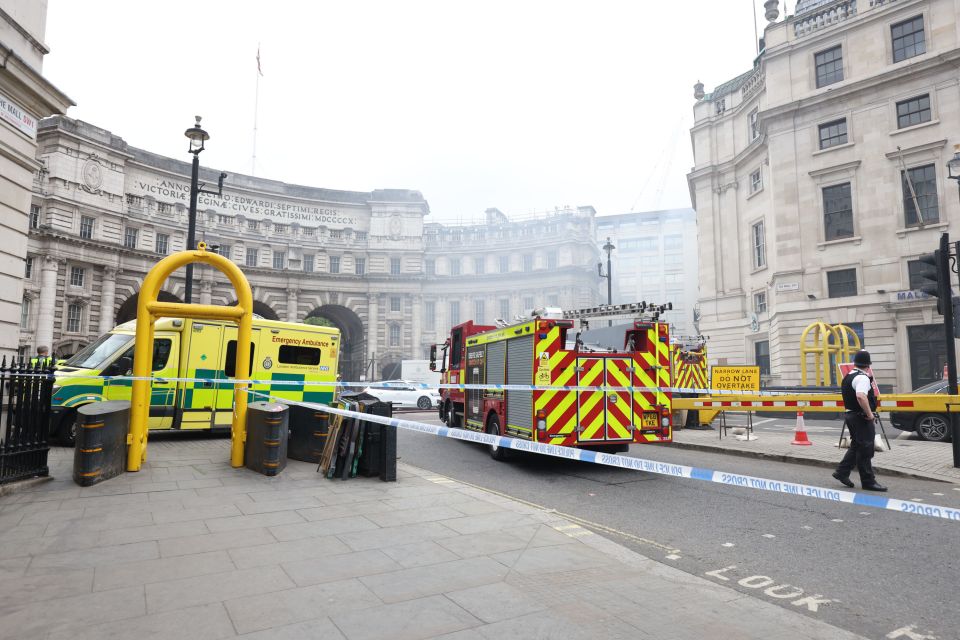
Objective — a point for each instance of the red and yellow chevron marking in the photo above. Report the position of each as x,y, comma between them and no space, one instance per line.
689,369
619,410
560,407
590,404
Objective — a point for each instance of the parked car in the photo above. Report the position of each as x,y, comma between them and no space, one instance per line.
929,426
405,394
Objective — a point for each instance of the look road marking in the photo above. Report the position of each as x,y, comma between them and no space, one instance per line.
774,590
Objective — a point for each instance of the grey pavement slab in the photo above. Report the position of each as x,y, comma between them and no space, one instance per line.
229,553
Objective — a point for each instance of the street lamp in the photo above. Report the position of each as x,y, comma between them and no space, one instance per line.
953,166
608,248
197,137
953,172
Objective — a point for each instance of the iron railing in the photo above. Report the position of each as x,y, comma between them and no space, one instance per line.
25,392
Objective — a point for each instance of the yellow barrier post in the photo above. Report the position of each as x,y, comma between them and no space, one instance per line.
149,309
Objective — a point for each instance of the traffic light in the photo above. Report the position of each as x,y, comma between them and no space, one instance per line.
929,275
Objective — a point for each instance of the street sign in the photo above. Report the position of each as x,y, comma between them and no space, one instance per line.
743,378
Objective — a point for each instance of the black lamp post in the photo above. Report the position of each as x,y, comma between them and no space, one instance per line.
608,248
953,173
197,137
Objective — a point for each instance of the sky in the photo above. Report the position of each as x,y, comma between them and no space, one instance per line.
521,105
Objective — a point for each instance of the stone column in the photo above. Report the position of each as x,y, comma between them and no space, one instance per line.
292,304
417,339
47,306
372,331
108,294
206,291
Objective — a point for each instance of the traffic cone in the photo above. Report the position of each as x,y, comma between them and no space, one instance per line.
800,433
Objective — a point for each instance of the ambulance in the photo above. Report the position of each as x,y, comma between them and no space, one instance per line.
185,350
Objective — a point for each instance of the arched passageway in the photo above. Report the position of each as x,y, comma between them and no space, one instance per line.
128,310
352,338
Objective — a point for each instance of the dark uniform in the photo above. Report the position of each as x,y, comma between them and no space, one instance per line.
862,432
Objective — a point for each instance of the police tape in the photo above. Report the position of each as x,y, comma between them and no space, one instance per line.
417,385
643,464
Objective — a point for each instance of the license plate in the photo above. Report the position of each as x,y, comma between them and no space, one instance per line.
650,419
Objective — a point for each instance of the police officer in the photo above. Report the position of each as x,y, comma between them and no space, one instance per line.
42,359
860,402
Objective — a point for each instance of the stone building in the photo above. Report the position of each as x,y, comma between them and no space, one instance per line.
363,261
25,97
654,259
820,176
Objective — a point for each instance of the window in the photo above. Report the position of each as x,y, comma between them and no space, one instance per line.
915,271
908,40
478,266
528,262
308,263
130,238
431,267
504,264
163,207
163,243
361,235
761,355
252,258
672,259
336,234
224,221
252,225
552,259
86,227
756,181
760,302
77,276
759,246
478,311
833,134
304,356
673,242
553,300
279,259
230,361
505,308
430,315
34,216
308,231
74,318
28,268
528,303
837,212
829,66
454,313
334,264
395,304
753,121
454,266
280,228
913,111
650,243
224,250
359,266
394,266
842,283
25,314
720,106
394,335
924,181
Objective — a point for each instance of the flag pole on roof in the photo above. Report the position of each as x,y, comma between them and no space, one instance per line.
256,104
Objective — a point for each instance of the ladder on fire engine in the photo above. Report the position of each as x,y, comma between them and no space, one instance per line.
640,310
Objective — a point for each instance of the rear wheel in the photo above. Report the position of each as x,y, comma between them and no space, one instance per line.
493,428
452,421
933,427
67,433
423,403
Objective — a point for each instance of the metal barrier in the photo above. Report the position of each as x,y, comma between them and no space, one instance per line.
25,392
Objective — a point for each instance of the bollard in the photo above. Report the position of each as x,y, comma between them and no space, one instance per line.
308,433
379,452
265,450
100,452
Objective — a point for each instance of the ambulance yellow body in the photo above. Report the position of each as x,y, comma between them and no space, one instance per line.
280,352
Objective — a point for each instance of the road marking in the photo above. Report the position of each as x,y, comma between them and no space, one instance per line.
864,513
836,520
808,528
728,544
811,602
917,499
673,556
937,494
769,535
765,421
909,633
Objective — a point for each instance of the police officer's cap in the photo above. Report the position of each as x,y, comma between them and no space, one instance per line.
862,359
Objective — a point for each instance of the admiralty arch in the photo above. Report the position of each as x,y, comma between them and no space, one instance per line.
103,213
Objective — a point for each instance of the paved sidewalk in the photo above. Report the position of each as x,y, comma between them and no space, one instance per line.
914,458
190,548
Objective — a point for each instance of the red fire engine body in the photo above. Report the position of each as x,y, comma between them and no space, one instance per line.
537,352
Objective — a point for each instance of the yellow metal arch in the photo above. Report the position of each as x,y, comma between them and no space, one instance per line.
149,309
837,340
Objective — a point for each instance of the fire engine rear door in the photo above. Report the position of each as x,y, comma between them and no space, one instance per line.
591,405
618,403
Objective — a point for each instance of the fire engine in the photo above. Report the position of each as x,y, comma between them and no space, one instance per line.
688,358
544,350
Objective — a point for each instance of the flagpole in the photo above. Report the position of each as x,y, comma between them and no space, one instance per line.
256,105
